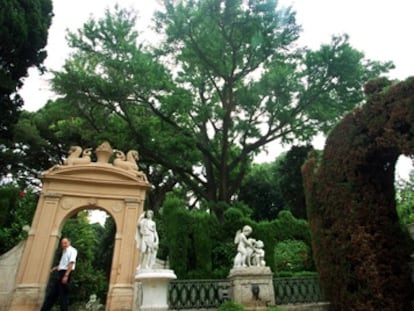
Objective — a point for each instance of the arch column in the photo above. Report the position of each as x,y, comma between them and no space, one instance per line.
32,278
125,260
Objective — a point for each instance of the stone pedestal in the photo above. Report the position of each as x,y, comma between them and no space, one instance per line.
252,287
151,289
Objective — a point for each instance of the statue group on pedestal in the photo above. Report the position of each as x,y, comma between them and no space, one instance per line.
250,252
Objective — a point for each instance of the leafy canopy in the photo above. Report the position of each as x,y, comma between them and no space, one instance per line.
225,79
23,35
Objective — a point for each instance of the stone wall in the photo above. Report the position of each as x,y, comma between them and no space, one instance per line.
9,263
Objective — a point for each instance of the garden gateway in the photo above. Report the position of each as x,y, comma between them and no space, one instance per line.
118,189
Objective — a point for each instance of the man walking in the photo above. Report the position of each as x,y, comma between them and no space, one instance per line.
60,284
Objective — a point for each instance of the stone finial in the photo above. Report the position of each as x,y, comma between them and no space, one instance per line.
103,152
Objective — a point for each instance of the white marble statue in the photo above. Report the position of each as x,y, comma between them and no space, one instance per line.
258,255
93,304
249,251
147,240
244,247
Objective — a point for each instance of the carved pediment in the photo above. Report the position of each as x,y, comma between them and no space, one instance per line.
79,167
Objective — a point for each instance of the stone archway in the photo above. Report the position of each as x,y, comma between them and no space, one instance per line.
118,189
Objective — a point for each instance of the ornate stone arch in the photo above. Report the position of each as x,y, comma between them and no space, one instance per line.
118,189
360,249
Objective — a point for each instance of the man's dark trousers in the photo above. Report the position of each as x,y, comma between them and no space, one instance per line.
57,290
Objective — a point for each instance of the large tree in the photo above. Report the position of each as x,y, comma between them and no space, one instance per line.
269,188
41,139
290,179
23,35
260,190
226,79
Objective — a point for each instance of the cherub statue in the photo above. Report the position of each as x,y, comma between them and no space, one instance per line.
258,254
93,304
244,247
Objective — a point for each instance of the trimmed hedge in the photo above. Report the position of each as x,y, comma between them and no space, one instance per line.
359,248
197,246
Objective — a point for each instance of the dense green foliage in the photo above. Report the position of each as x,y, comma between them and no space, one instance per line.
37,145
95,246
360,250
269,188
199,247
405,200
87,279
261,192
23,35
16,211
224,80
284,227
292,256
105,247
291,181
189,236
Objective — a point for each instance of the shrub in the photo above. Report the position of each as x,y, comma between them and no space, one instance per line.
17,208
405,200
292,255
284,227
231,306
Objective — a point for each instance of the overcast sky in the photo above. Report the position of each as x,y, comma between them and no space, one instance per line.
381,29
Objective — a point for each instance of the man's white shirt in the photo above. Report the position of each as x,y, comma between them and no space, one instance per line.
68,256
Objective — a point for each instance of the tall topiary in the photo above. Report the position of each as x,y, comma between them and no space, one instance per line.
359,247
177,222
202,228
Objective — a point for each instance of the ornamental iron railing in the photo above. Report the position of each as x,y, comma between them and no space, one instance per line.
209,294
197,294
297,290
